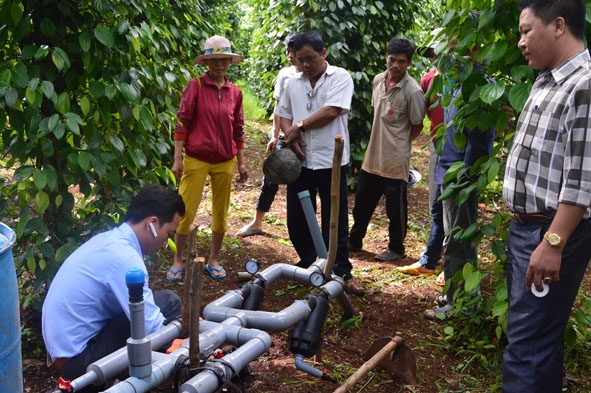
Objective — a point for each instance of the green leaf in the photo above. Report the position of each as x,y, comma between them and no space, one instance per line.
72,125
63,103
468,233
117,143
16,12
52,179
10,97
5,77
20,76
30,96
31,265
104,36
23,173
47,27
491,92
39,178
129,92
53,122
59,131
147,118
473,281
84,105
500,49
41,52
47,88
99,167
460,140
493,171
463,195
85,160
47,147
41,201
84,39
46,250
520,72
500,308
518,95
61,59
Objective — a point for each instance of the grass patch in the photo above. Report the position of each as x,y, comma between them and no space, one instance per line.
252,105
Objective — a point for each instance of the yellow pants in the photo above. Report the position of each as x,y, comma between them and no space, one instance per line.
191,190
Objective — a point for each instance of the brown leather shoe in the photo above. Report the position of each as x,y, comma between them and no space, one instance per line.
353,287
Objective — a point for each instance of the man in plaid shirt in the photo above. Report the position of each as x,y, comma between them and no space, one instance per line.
547,189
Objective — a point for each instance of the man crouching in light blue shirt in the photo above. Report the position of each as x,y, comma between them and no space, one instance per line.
86,311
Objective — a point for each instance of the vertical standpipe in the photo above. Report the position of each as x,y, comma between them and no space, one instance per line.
312,223
139,348
11,369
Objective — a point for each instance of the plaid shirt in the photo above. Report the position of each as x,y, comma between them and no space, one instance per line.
550,160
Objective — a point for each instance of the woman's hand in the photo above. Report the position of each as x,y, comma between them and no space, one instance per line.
178,168
243,173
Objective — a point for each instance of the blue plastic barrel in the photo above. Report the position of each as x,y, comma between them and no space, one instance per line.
11,369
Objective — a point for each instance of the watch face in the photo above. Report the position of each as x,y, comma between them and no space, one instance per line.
554,240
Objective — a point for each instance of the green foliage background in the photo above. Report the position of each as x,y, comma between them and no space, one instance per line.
89,92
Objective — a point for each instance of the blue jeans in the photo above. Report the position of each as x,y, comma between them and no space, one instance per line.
534,356
268,188
432,252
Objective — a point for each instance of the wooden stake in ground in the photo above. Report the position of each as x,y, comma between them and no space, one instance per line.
195,299
191,251
192,297
334,204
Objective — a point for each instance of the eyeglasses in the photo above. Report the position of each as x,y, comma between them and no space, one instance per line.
310,94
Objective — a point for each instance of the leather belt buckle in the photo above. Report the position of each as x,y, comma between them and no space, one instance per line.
516,217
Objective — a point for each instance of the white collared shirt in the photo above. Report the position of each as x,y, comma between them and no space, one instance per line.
300,101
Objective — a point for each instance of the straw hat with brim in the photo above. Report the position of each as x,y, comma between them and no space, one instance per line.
217,47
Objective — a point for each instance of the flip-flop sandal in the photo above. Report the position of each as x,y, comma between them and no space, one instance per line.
440,280
246,231
211,270
174,278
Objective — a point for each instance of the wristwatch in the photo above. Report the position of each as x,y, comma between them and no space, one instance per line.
555,240
300,125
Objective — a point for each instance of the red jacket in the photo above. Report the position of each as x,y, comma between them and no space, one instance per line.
211,120
434,114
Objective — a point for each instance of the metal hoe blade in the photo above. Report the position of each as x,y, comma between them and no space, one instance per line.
400,363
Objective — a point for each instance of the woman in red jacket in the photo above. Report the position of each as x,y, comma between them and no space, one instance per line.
210,130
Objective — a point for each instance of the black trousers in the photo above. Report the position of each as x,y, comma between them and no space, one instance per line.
370,189
318,183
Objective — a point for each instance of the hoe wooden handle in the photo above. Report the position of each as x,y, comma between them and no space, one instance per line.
366,367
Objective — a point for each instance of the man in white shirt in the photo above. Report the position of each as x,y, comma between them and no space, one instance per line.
313,111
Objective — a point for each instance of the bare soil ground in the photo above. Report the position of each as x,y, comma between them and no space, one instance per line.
393,305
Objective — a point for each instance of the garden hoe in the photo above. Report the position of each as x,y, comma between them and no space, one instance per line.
390,354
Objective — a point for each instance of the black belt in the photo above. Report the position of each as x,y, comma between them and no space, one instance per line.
532,218
59,363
